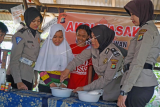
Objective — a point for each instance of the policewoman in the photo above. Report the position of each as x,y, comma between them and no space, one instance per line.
107,61
25,50
139,80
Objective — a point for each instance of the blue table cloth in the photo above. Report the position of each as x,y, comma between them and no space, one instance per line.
74,102
23,98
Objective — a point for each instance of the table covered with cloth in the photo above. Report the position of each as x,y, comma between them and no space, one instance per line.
24,98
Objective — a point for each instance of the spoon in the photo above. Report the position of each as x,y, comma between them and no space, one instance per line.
60,85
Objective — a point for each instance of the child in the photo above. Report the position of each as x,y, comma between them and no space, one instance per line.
82,75
3,31
54,56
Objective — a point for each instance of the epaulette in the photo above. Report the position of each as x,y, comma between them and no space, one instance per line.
22,30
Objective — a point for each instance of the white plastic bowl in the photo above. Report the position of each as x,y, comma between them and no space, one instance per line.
92,96
61,92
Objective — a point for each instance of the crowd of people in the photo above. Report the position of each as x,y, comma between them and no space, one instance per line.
93,62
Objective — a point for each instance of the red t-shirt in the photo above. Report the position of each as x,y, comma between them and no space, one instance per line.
79,76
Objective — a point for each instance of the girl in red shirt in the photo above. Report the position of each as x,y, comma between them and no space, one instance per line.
82,75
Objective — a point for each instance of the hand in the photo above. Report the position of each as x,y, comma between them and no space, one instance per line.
121,101
63,86
78,89
21,85
35,83
52,85
64,75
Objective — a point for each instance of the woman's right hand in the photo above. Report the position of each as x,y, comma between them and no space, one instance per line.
78,89
64,75
21,85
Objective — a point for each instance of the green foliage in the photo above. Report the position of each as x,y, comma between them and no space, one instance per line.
44,35
153,102
153,98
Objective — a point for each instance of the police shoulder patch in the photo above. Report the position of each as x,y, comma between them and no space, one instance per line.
18,39
140,37
39,41
140,34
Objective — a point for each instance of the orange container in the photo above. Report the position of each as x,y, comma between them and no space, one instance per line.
2,87
6,88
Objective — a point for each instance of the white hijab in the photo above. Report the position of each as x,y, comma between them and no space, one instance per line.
52,57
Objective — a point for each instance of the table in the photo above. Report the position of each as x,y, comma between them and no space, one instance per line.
24,98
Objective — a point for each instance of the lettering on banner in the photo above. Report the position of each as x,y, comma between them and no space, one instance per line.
122,44
120,31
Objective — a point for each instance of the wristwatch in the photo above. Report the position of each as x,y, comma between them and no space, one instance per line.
123,93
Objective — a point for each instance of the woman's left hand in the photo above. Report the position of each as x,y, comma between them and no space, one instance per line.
121,101
78,89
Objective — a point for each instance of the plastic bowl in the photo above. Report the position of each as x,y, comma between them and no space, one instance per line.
61,92
89,97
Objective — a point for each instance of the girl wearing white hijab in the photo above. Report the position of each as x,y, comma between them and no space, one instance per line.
53,58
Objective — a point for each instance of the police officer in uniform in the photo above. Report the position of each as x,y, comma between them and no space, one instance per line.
107,61
139,80
25,50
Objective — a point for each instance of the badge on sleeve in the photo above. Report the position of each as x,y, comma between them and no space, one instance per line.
39,40
140,37
105,60
141,33
114,62
18,39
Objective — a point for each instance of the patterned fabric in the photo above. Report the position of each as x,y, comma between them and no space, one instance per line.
26,98
22,99
74,102
49,77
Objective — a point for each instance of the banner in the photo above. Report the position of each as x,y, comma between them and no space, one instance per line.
17,14
123,26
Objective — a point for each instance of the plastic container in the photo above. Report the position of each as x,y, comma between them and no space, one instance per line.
61,92
92,96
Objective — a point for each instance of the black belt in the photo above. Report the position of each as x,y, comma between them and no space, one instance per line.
146,66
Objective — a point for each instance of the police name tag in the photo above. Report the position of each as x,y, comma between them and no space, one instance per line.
29,41
26,61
